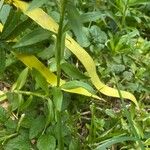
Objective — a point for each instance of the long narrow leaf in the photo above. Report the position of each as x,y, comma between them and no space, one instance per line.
21,80
112,141
45,21
33,37
49,76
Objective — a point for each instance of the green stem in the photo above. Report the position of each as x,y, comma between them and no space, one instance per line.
58,56
8,137
92,128
133,130
19,122
29,93
59,41
59,127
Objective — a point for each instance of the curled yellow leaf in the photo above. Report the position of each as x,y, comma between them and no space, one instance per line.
32,62
46,22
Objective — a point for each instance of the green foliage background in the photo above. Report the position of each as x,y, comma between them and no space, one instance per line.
116,34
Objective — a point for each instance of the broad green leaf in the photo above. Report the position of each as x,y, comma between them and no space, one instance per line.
40,80
76,84
21,80
46,142
72,71
114,140
91,16
57,98
37,126
37,15
10,125
35,36
76,23
36,3
21,142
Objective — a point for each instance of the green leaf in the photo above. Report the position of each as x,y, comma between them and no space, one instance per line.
110,113
3,116
11,125
46,142
72,71
21,80
74,145
4,13
37,126
78,84
91,16
10,24
32,49
147,142
40,81
127,75
57,98
50,115
36,3
139,129
76,24
1,4
97,35
19,28
115,140
47,53
34,37
15,100
27,103
137,2
20,142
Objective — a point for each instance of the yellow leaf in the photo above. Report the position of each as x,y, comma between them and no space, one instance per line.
32,62
46,22
1,27
50,77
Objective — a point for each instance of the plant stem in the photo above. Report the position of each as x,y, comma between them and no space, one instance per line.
29,93
59,127
92,127
7,137
19,122
58,56
59,41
